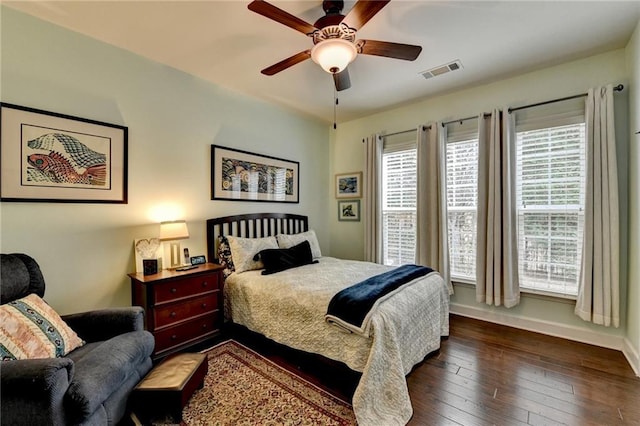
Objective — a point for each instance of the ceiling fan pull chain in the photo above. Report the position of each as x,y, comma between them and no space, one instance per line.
335,107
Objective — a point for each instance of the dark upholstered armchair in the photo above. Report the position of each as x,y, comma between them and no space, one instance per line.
91,384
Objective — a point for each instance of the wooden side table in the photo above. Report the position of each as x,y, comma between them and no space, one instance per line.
182,309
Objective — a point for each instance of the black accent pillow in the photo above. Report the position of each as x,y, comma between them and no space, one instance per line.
277,260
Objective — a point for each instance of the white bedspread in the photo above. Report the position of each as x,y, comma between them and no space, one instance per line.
289,307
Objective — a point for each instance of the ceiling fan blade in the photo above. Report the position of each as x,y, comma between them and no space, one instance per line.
342,80
286,63
408,52
362,12
270,11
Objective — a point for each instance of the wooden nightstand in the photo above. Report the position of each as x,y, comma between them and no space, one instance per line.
182,309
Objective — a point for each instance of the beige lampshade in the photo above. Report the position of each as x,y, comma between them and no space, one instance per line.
174,230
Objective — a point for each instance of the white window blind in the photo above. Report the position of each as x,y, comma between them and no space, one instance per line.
462,197
399,189
551,174
462,201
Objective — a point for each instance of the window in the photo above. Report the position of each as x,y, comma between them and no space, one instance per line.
550,189
462,198
399,200
550,196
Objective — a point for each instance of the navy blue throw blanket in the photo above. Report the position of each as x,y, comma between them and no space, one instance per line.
352,304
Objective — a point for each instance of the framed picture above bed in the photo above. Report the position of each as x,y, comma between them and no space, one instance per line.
245,176
349,185
349,210
51,157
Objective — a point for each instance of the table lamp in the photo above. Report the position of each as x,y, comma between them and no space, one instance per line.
172,231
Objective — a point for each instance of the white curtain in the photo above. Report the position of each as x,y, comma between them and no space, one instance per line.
497,262
432,246
598,291
372,199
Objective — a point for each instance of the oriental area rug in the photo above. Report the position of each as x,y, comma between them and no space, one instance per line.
244,388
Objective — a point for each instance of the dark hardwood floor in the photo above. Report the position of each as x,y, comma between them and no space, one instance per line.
487,374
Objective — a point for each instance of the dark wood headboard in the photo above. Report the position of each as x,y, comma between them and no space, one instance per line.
253,225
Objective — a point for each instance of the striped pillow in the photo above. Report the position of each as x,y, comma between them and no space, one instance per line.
30,329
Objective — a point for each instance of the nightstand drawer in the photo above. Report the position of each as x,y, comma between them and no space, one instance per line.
174,313
172,290
181,308
174,336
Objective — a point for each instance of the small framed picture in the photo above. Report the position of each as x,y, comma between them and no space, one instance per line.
349,185
349,210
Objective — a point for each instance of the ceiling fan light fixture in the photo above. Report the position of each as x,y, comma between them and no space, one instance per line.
334,55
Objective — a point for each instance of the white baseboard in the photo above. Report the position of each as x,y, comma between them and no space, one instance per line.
544,327
632,356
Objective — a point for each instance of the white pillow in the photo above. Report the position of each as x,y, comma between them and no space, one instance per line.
290,240
243,250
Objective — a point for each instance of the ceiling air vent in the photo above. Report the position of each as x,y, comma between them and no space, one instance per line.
442,69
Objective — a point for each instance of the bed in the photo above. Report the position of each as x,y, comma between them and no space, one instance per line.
289,307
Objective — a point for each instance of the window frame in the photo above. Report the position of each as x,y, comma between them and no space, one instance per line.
393,146
541,123
463,132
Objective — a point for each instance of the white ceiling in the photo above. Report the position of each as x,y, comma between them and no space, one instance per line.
224,42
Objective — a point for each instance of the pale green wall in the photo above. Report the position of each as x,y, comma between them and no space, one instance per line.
173,118
86,250
633,66
550,83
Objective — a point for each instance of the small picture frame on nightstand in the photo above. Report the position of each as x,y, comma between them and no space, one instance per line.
151,266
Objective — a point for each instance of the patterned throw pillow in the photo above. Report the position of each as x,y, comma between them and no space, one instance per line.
244,249
30,329
290,240
224,256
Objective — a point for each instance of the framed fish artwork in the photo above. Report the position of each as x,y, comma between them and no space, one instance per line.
51,157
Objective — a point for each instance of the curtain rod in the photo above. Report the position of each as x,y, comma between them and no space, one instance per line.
460,120
404,131
617,88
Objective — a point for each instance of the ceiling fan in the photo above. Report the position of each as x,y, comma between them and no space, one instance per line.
334,38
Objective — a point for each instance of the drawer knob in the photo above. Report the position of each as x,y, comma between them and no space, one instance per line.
172,314
204,325
205,284
174,337
204,305
174,290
